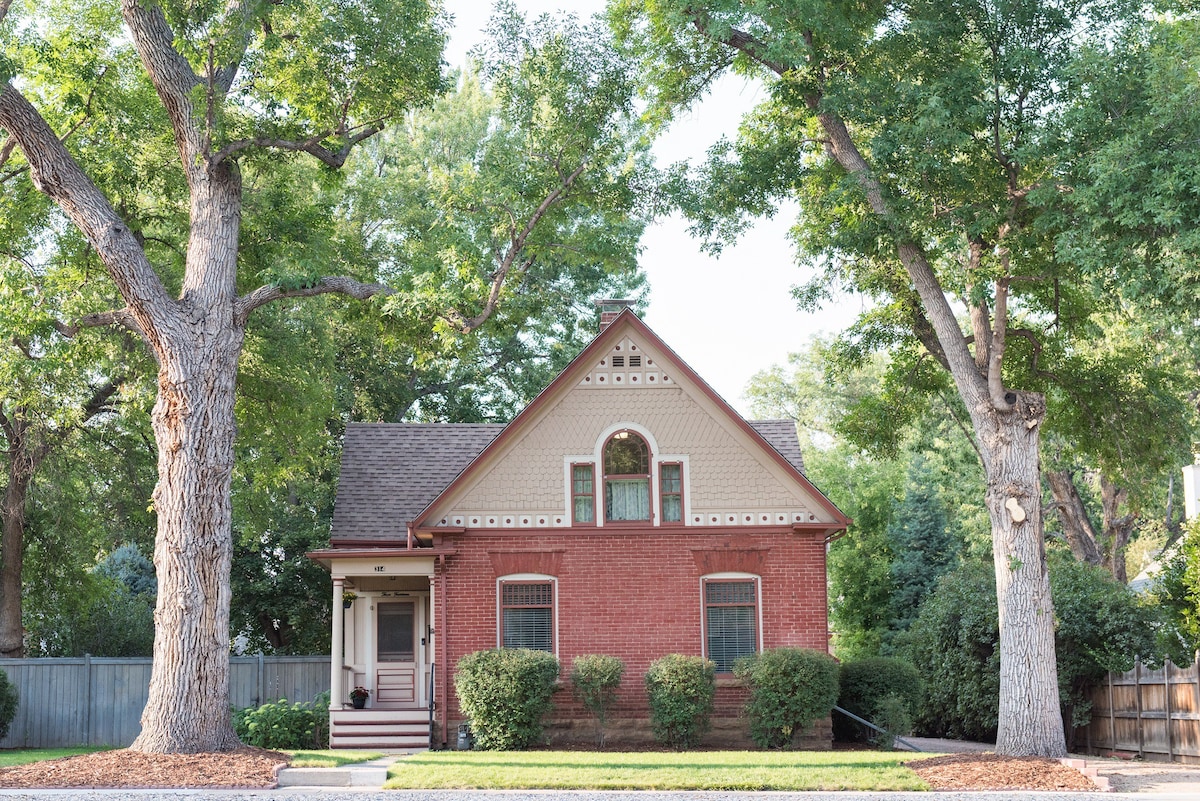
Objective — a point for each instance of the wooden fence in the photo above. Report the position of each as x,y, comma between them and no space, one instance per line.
1154,714
99,701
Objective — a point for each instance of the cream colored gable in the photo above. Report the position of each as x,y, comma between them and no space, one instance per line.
729,479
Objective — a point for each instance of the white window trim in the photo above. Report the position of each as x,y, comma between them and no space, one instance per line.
518,577
758,607
569,484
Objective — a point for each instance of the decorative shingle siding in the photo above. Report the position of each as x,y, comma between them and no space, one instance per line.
724,471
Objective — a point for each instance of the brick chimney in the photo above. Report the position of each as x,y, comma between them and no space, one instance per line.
610,308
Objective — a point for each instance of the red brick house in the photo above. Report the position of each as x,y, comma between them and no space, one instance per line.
628,510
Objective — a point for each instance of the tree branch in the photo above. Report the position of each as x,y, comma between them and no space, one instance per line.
338,284
171,74
516,246
121,317
738,40
995,379
94,405
312,145
843,149
56,174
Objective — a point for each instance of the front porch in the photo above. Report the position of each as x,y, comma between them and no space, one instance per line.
383,636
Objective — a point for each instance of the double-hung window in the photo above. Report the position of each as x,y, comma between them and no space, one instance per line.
626,478
670,491
583,494
527,614
730,620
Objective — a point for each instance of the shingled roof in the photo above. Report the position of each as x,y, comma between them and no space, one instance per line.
392,471
781,435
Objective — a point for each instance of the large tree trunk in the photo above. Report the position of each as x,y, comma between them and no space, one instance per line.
1030,721
12,551
1007,425
188,706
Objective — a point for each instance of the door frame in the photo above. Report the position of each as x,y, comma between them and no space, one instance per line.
421,625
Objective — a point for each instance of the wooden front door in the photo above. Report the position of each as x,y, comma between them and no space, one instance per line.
399,653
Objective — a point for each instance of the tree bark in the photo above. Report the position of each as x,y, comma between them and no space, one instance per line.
187,710
1117,528
1030,720
188,706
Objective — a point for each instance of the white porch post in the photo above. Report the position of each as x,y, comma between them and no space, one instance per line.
336,646
429,693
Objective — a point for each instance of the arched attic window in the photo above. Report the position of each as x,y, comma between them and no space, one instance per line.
626,477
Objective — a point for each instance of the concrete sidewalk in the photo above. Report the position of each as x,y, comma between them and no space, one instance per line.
358,774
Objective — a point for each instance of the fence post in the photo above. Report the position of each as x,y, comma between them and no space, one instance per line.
1137,667
262,680
87,695
1112,721
1167,668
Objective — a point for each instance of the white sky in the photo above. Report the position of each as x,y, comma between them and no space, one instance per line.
728,317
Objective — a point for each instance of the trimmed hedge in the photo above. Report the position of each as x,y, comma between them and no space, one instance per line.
595,679
283,725
790,689
505,693
680,690
884,690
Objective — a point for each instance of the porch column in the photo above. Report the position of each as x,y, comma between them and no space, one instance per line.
336,645
429,692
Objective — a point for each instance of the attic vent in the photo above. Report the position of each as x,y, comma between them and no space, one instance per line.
635,361
618,361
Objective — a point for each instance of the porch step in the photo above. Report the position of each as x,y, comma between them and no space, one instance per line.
379,728
380,742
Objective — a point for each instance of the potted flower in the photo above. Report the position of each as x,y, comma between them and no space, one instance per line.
358,697
348,598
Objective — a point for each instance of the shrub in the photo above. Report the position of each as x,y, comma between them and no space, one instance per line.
1101,626
953,644
283,725
790,689
680,689
505,693
866,684
8,704
595,679
892,715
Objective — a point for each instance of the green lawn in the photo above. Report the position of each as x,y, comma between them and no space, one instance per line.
328,759
23,755
697,770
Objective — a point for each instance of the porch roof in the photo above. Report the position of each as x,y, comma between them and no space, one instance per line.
391,471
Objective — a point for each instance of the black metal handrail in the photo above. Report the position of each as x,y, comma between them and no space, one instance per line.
895,737
432,700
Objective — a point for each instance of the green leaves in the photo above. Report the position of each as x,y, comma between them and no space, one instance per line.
790,689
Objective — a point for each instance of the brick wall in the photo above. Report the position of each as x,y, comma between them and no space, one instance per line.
635,595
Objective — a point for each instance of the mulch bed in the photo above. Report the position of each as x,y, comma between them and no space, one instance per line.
992,772
244,768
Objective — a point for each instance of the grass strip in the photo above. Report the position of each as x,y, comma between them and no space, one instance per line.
328,759
697,770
